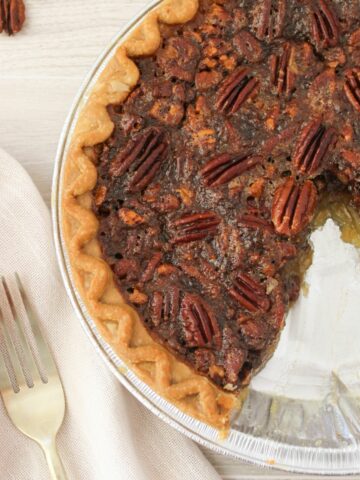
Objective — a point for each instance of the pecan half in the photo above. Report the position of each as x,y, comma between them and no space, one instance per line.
313,145
293,206
193,227
354,46
200,325
205,275
354,39
142,156
233,362
249,220
269,21
255,333
248,46
325,25
352,87
235,90
165,306
226,167
322,91
282,76
149,271
12,16
250,294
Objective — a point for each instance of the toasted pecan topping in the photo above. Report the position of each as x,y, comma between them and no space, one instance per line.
151,267
250,294
200,325
352,87
127,269
165,306
352,157
248,46
325,25
282,75
194,227
235,90
205,80
233,362
179,58
254,221
168,112
314,143
130,217
293,206
226,167
354,39
100,195
254,332
142,156
269,19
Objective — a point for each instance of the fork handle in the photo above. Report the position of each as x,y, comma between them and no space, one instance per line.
54,461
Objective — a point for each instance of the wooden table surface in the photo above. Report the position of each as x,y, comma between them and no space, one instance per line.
41,70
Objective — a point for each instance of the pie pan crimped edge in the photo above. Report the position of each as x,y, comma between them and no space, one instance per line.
261,451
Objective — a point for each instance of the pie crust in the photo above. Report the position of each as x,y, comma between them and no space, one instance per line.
119,323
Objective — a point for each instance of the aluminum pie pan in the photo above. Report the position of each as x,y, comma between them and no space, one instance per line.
282,425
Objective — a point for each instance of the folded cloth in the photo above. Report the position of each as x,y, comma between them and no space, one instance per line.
107,434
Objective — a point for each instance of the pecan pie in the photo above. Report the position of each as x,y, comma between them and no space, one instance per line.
211,140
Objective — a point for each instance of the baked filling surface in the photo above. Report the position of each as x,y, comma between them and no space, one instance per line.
241,136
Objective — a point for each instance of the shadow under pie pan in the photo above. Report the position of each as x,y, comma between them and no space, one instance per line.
302,411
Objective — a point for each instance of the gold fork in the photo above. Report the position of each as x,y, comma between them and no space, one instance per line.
29,380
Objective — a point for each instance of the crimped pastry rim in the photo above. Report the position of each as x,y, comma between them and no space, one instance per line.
214,407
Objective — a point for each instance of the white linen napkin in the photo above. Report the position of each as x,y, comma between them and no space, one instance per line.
107,434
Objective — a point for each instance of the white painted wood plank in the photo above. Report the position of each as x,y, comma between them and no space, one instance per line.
63,38
31,119
41,70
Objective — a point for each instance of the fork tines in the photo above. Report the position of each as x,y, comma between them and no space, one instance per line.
22,345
